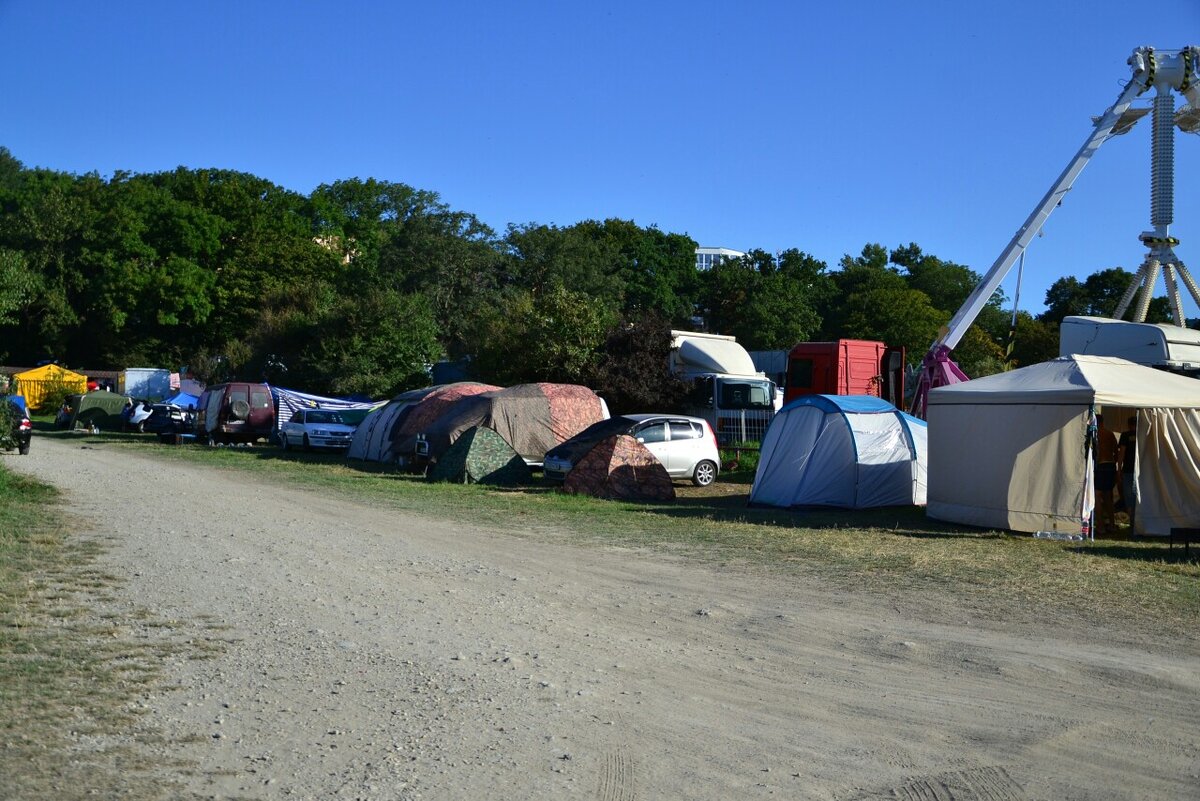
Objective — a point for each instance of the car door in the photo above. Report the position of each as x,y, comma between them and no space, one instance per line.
684,442
653,435
293,429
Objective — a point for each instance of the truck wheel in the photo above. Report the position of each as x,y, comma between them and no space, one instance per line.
704,474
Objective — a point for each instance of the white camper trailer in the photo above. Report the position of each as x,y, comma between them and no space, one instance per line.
1167,347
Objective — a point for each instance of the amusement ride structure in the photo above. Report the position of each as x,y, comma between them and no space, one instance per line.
1167,72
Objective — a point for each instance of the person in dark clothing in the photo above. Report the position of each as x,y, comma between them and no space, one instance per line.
1106,476
1127,457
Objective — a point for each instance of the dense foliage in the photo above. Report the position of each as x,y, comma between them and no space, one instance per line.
360,286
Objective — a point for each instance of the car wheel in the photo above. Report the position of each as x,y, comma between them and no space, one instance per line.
704,474
283,441
307,444
23,448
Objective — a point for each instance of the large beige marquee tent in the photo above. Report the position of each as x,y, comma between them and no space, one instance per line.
1009,450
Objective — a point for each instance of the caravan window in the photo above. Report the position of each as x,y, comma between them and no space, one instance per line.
260,400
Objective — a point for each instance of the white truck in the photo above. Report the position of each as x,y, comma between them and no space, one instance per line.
1167,347
144,383
737,400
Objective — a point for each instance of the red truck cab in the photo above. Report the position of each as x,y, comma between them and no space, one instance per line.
846,367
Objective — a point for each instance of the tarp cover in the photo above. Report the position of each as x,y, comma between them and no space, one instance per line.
1008,450
620,468
849,451
532,418
481,456
289,401
183,400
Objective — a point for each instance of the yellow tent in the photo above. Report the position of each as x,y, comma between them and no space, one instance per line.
37,383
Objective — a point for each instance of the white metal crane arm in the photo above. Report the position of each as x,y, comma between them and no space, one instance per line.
953,331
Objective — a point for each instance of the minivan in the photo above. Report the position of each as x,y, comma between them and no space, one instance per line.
235,412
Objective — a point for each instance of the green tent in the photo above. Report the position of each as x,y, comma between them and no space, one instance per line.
480,456
101,408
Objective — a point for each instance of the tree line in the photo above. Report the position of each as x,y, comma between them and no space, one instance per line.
357,287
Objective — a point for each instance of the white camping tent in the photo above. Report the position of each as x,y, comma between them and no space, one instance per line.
1009,450
852,451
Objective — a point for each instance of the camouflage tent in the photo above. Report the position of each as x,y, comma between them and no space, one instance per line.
532,418
620,468
376,438
481,456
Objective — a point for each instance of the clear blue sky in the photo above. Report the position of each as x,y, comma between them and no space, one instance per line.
769,125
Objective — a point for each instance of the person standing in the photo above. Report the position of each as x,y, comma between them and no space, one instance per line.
1106,476
1127,456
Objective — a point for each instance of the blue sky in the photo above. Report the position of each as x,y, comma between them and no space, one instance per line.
746,125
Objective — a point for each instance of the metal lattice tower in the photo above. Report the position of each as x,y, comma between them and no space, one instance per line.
1169,72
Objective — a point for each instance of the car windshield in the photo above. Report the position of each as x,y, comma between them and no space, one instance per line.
323,417
746,394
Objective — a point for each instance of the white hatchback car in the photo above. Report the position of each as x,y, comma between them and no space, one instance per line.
686,446
316,428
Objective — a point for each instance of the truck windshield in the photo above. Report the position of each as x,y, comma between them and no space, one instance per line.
743,394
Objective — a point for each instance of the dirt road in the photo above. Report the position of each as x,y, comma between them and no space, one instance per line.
378,655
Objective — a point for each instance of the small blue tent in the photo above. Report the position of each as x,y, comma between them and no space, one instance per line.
183,400
850,451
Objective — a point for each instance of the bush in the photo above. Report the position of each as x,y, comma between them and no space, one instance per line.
742,459
6,424
56,394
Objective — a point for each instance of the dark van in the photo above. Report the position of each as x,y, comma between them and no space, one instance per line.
235,412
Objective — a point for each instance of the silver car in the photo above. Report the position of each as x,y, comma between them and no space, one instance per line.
316,428
686,446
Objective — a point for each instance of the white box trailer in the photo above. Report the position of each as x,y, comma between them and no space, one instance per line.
1167,347
144,383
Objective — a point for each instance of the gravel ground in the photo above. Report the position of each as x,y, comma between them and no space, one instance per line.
380,655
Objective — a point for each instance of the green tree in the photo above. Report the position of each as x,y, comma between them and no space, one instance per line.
632,373
768,302
376,345
552,335
1098,296
17,285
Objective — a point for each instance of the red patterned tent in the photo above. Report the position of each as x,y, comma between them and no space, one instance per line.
532,418
432,405
620,468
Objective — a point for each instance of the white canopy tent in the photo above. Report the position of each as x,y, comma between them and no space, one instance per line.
1010,450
